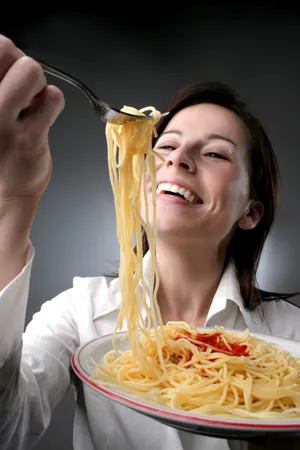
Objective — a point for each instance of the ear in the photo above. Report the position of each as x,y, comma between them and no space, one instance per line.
252,216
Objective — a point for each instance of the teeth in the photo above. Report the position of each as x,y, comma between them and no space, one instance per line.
188,195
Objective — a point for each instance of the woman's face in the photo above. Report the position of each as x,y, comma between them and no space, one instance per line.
205,148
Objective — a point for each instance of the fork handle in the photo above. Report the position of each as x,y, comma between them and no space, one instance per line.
58,73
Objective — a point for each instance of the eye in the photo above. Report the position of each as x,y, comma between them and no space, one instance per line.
216,155
166,147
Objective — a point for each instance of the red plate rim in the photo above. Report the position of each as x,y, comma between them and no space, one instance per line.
148,409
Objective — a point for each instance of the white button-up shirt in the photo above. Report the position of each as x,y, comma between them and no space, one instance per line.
35,365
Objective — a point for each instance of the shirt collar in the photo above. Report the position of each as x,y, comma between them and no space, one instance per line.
227,290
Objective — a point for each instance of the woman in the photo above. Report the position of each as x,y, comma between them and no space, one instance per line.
208,248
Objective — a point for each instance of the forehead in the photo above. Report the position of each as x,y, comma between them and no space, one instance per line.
196,121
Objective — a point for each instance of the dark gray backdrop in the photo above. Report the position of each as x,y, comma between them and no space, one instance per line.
138,57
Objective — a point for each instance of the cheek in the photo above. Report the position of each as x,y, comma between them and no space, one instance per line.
229,187
238,193
158,164
217,183
147,203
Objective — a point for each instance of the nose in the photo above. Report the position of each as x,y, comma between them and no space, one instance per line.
180,158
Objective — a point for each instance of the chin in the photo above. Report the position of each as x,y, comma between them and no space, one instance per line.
178,227
180,222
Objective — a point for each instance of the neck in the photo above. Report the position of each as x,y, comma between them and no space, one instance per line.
188,279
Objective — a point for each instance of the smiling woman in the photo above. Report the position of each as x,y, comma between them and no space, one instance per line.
218,163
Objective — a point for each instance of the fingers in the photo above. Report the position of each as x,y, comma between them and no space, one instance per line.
28,107
9,53
22,82
44,110
24,93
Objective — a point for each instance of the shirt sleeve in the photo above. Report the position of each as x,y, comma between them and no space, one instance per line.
34,365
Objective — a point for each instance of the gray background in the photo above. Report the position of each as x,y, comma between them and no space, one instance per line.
139,57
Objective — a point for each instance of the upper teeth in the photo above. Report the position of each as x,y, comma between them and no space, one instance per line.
188,195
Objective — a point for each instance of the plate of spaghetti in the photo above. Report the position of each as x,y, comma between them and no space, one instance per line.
219,382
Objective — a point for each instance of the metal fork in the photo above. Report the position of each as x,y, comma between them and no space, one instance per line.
102,109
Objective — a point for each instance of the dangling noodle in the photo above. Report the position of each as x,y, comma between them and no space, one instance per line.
130,160
219,372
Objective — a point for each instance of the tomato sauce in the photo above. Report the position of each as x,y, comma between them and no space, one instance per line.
215,342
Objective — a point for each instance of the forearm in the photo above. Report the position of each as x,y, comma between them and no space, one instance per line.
16,217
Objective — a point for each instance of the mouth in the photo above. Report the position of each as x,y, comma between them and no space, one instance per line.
178,191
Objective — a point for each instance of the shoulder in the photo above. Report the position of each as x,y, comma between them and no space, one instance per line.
88,296
102,293
283,318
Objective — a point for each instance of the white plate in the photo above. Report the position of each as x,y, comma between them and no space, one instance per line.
228,428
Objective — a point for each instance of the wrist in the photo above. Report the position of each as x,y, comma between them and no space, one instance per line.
16,218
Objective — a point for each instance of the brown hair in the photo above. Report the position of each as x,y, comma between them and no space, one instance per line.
246,247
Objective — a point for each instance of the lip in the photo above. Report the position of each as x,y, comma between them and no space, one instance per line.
184,186
167,198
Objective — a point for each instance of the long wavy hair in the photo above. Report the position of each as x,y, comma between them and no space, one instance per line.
246,247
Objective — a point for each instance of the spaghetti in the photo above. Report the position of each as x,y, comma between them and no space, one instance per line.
130,159
218,372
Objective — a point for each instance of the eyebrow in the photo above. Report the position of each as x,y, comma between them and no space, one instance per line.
208,137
